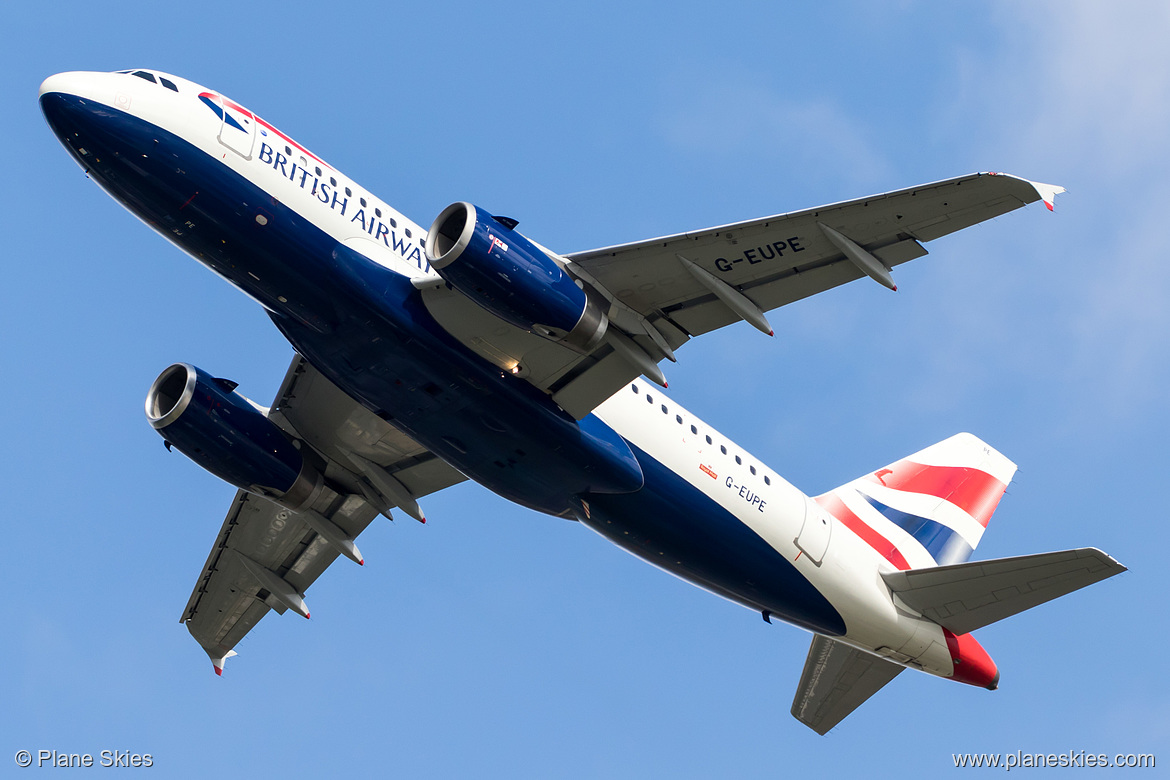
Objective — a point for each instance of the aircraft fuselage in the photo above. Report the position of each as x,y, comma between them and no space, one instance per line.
336,268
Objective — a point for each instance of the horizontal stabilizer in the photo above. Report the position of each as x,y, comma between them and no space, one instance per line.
837,679
968,596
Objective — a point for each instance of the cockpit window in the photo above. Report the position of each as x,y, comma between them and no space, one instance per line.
146,75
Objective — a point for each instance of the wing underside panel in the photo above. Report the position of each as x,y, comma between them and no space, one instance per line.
228,599
266,556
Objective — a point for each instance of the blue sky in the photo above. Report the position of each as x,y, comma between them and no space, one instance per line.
497,642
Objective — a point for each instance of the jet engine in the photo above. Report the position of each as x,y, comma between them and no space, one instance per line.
225,433
485,259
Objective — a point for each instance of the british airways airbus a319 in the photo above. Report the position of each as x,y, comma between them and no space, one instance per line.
469,351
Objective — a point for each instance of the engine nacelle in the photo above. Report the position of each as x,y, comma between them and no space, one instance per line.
505,273
206,420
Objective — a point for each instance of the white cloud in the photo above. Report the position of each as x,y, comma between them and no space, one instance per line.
1079,94
1094,78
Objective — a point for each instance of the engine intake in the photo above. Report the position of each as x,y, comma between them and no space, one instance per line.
225,433
502,271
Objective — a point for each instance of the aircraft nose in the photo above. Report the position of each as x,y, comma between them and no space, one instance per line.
63,109
76,82
82,109
55,83
62,95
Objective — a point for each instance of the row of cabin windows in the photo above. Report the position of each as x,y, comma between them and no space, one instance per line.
349,194
148,76
694,430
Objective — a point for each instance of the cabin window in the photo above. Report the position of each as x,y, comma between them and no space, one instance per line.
332,181
393,223
408,232
362,201
709,440
738,462
678,419
767,480
288,150
752,469
378,212
722,449
694,429
649,398
317,170
664,408
348,192
634,388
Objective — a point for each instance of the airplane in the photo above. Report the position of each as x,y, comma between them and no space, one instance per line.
466,350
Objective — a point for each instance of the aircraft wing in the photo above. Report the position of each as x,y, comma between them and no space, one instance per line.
663,291
837,679
266,555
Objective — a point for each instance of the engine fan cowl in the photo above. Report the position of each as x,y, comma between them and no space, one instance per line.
505,273
221,430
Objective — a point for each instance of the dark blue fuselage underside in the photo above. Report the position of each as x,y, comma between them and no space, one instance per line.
366,329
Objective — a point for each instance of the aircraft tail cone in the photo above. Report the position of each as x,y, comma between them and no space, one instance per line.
973,665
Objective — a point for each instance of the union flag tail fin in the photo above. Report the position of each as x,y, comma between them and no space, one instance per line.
929,509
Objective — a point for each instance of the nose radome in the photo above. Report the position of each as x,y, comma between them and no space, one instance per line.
77,103
92,85
64,83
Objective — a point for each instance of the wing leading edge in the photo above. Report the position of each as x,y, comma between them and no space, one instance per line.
266,555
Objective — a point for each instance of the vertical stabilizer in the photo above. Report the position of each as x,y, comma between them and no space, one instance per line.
928,509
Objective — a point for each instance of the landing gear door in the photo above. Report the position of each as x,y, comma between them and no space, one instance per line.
813,539
238,131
